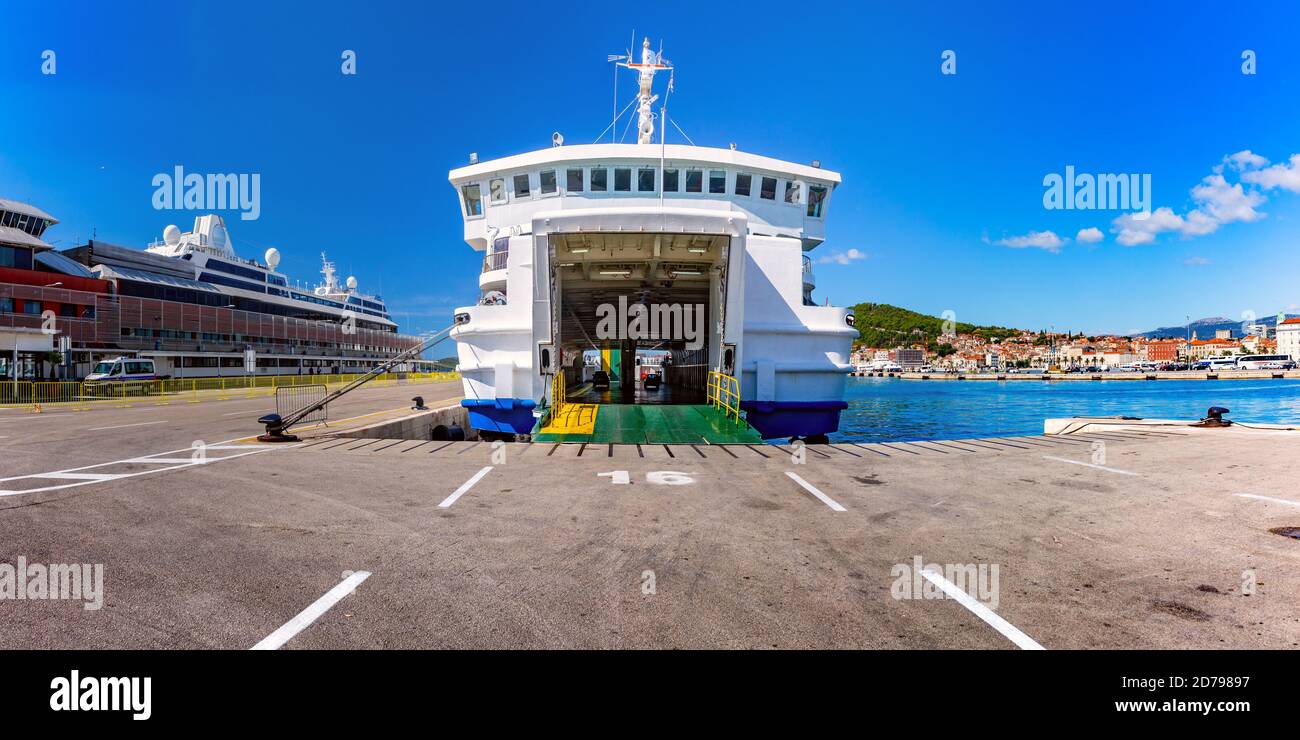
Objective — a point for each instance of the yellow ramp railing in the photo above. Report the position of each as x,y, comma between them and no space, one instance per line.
557,395
724,394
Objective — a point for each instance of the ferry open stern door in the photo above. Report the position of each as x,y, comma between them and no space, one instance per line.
625,306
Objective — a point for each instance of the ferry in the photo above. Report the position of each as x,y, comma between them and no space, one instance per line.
574,235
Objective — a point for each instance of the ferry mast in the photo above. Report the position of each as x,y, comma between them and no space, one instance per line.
651,62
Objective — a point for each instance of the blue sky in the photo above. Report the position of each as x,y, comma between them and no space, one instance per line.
943,175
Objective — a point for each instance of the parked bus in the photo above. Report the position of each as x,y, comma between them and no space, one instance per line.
1265,362
1217,363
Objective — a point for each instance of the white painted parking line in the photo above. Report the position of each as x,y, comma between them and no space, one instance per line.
810,488
83,479
464,487
124,426
162,460
241,413
1269,498
1007,629
1088,465
277,639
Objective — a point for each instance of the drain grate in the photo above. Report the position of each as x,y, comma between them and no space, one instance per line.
1293,532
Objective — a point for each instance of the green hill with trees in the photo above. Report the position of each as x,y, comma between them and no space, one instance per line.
883,325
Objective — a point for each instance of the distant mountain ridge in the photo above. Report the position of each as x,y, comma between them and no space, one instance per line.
1205,328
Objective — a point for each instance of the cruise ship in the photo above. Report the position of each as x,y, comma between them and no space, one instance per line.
569,231
188,302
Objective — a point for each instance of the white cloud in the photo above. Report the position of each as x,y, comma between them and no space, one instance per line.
1227,203
1196,261
1218,202
1282,174
842,258
1090,235
1047,240
1132,229
1245,160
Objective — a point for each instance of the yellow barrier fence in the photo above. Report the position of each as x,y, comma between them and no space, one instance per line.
36,394
724,394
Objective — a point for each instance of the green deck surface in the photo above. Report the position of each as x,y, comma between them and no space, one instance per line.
659,424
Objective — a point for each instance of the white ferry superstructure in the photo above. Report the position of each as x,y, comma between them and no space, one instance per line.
571,227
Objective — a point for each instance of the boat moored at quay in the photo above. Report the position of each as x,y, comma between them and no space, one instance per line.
600,258
188,303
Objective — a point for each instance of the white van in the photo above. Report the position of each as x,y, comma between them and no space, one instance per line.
122,368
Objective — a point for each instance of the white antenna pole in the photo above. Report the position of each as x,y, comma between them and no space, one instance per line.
663,136
613,126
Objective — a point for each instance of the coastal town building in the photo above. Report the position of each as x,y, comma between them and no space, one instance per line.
1199,349
1288,338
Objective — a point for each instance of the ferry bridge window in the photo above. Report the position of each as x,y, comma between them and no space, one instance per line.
574,181
816,197
670,181
6,305
742,184
521,186
473,200
548,182
32,308
694,181
768,189
600,180
645,179
497,189
791,192
622,179
717,181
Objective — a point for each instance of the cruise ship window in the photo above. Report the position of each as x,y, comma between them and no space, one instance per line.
670,181
473,200
521,186
497,189
645,179
791,192
768,190
717,181
548,182
599,180
575,181
694,181
742,184
622,179
816,197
